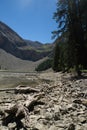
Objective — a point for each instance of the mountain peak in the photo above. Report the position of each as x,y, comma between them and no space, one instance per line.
10,34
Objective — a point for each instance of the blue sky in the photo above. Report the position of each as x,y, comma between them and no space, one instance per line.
31,19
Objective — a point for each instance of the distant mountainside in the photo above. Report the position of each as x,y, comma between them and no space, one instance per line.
9,62
12,43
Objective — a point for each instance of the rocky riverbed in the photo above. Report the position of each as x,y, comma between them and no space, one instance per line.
62,105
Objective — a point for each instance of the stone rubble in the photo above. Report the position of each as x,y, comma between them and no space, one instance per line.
64,108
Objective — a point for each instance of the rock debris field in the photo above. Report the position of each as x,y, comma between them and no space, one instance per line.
57,102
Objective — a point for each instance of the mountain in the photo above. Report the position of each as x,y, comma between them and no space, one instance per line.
12,43
11,35
10,62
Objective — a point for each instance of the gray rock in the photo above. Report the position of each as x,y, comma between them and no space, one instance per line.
34,129
48,116
11,126
71,127
82,119
53,127
56,116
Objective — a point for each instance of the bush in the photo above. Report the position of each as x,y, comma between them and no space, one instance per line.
44,65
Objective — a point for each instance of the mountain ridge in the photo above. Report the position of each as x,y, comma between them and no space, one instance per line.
12,43
7,32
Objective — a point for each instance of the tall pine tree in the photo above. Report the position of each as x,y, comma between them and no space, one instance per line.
70,19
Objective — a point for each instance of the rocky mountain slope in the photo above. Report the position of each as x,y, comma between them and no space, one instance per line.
12,63
12,43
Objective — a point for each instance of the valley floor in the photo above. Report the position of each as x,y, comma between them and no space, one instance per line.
62,105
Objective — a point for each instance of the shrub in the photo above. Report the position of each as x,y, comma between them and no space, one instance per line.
44,65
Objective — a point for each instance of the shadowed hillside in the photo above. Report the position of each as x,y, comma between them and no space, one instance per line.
12,43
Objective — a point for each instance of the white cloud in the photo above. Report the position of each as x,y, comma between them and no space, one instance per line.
24,3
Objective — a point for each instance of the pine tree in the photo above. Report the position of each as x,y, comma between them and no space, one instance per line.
56,58
69,17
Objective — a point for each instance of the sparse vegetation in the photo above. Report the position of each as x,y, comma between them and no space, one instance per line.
44,65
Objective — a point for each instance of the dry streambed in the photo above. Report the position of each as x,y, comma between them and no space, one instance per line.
59,102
